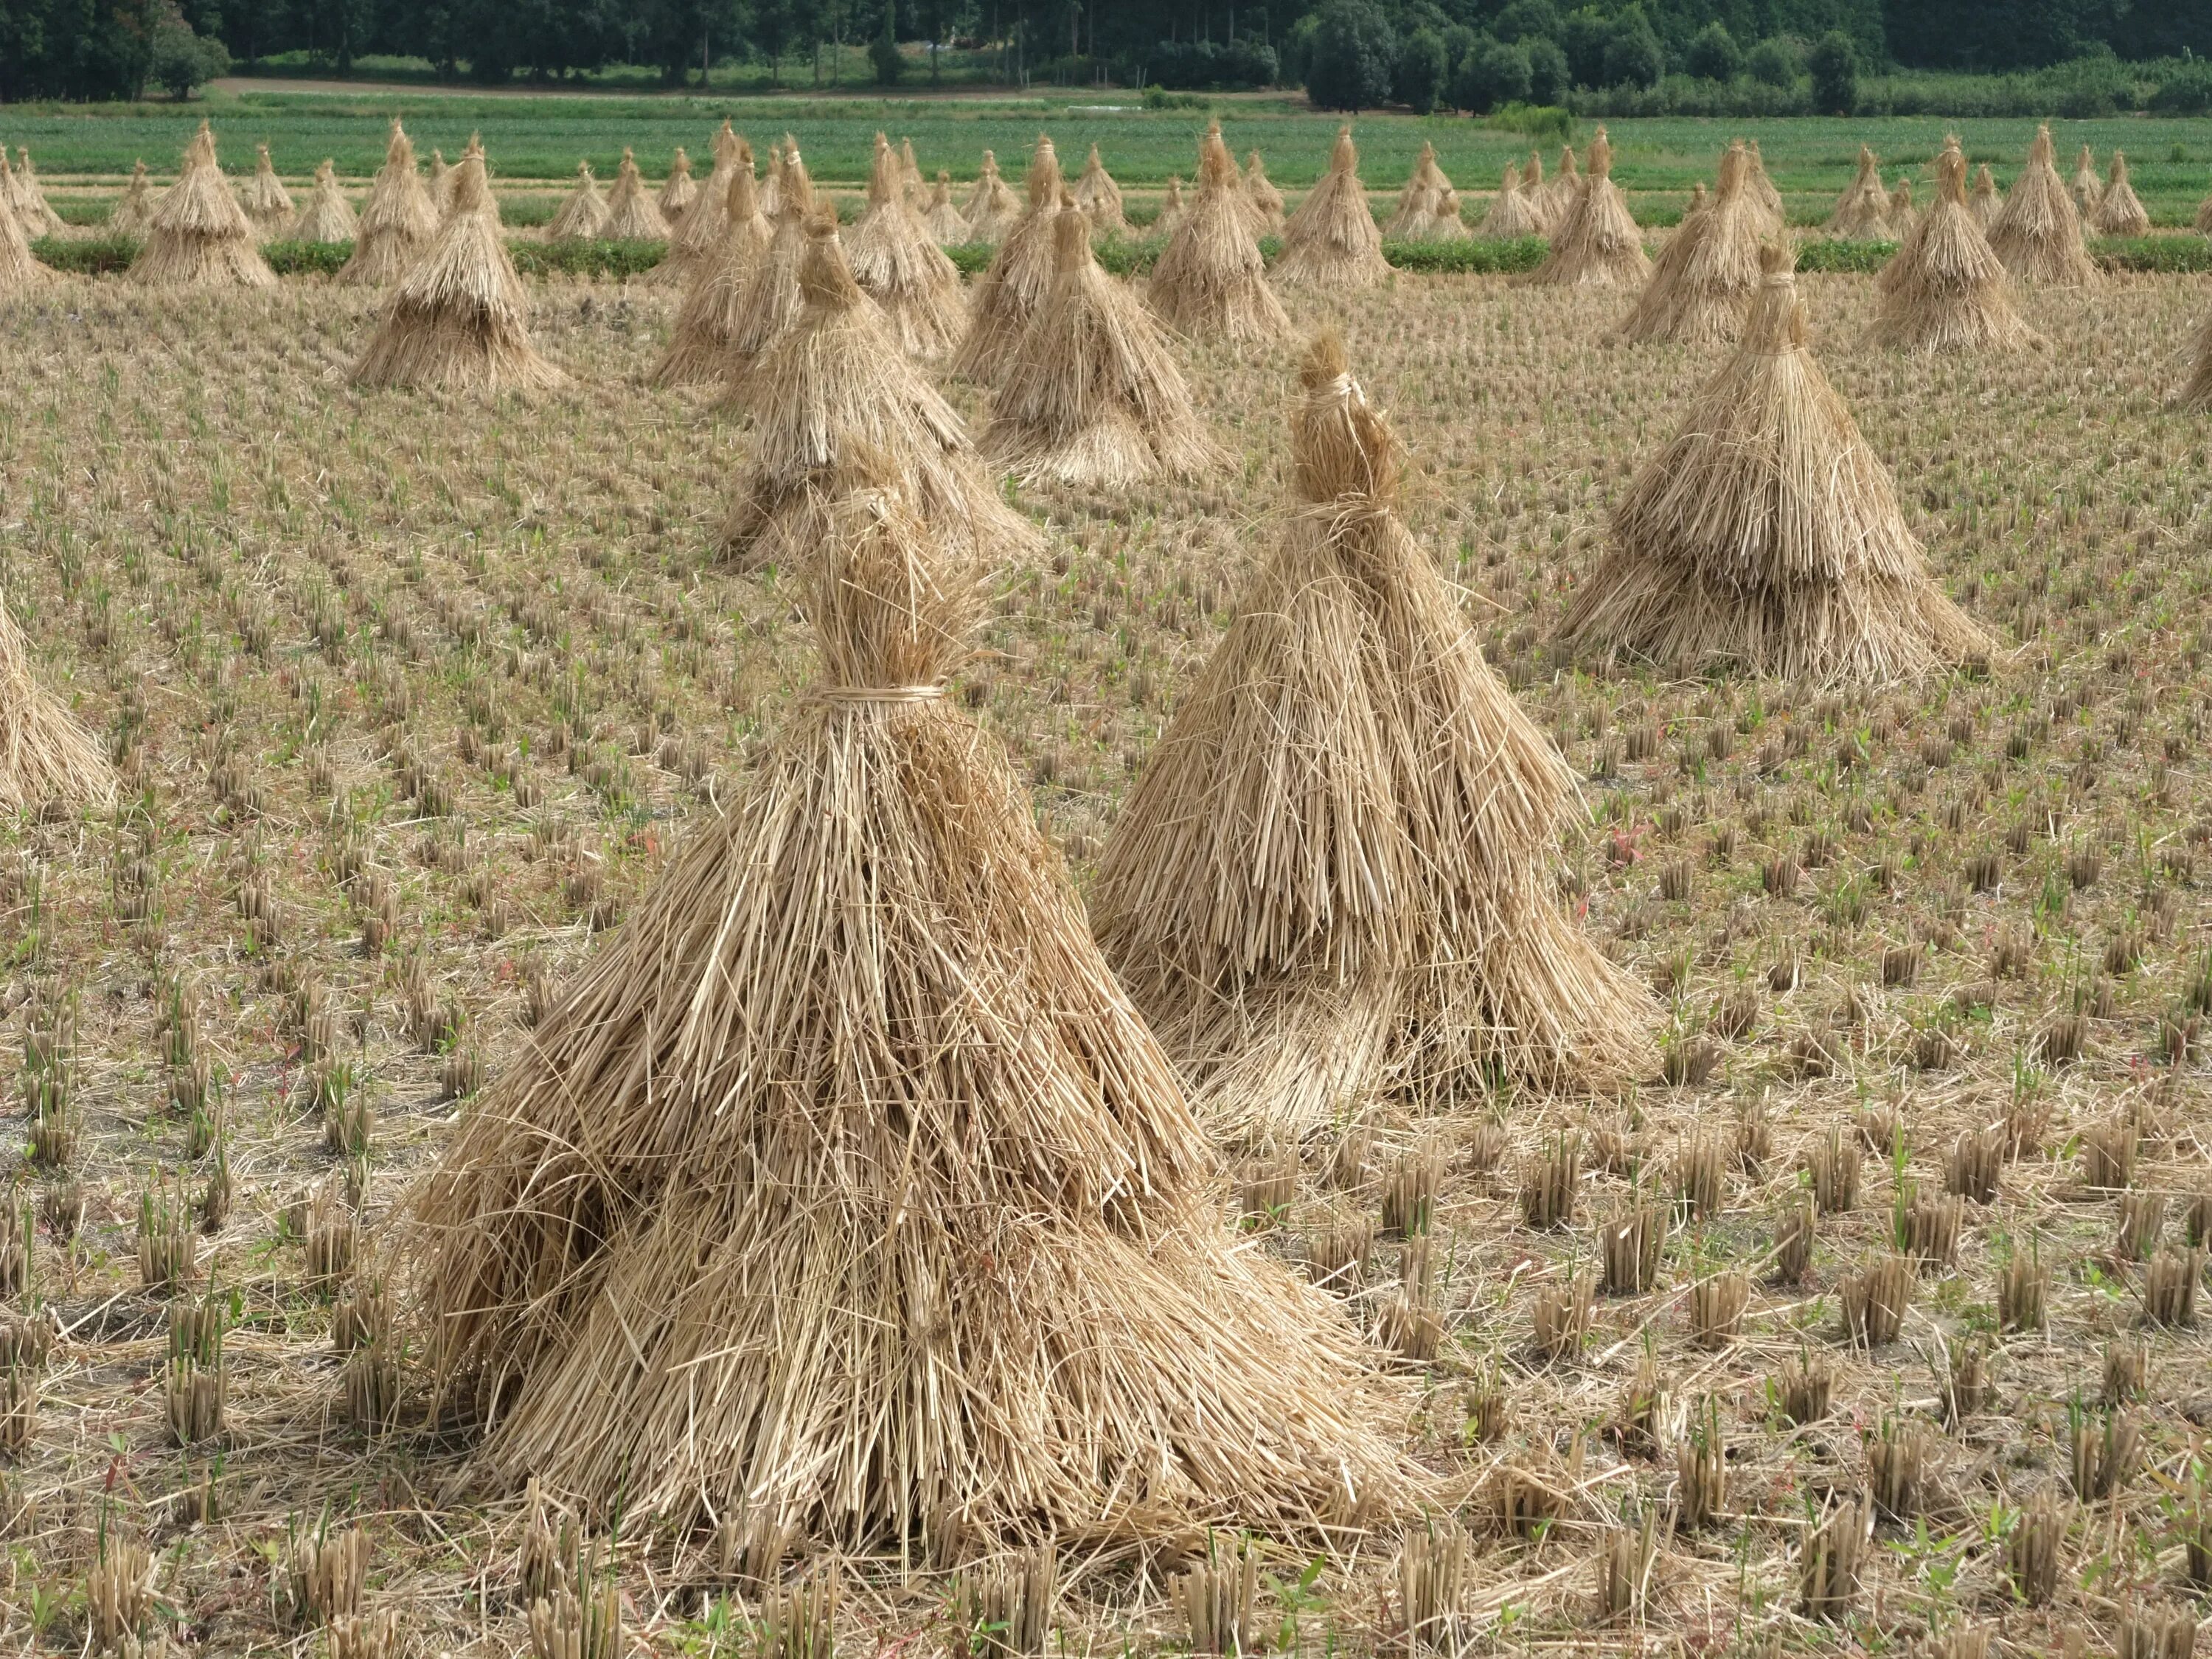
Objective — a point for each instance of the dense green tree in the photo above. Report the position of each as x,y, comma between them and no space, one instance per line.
883,52
1583,36
1633,55
1547,70
182,61
1355,56
1494,72
1834,67
1714,54
1773,63
1523,19
1422,69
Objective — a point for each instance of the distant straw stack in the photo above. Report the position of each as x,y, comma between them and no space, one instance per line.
1092,396
1944,290
2196,393
1015,283
715,305
396,222
1903,216
1766,199
1597,245
698,242
1562,191
2203,219
459,318
771,194
1328,887
1099,197
1536,194
677,193
438,185
1861,212
32,212
1332,242
773,298
2118,212
1449,226
134,210
2088,189
19,268
992,211
1765,538
199,233
328,216
1172,208
900,268
1511,215
1984,201
911,181
264,198
1263,202
1417,198
632,215
2038,231
45,754
944,221
1210,281
582,215
834,385
1705,278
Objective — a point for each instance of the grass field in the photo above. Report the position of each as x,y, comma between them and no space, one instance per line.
544,137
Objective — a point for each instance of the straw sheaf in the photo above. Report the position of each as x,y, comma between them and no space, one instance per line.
846,1190
582,215
2037,234
134,209
2196,393
2088,188
1558,195
461,317
45,754
1210,281
19,268
1092,396
396,222
438,183
199,233
699,240
944,221
1944,290
32,212
1765,200
632,214
1015,283
266,200
772,179
1263,202
1984,198
911,183
1332,242
1414,217
1171,207
1702,283
698,345
1861,212
2118,212
993,210
900,268
1511,215
1766,536
677,193
1597,243
772,300
328,216
2203,219
1099,197
834,387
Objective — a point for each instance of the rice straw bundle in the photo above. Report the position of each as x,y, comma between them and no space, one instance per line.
32,212
844,1192
632,215
1511,216
901,269
1861,212
915,186
1263,202
698,242
833,385
771,195
944,221
582,215
2203,221
1562,191
2118,212
1765,198
1597,243
264,198
459,317
134,210
992,211
2038,231
1944,290
772,299
1705,278
396,222
1099,197
1092,396
1766,536
1012,287
715,305
438,185
2197,393
2088,189
328,216
1210,280
1332,241
45,754
199,234
1417,199
1329,882
18,267
1983,202
1172,208
1537,194
1448,225
678,191
1902,214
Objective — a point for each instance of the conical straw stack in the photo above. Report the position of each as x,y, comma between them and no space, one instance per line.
1945,290
901,269
1332,242
328,216
1010,289
199,234
2038,231
1597,243
1210,281
713,309
632,215
396,222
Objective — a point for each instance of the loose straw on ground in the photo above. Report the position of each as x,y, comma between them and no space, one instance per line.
1332,242
396,222
199,233
1944,290
1210,281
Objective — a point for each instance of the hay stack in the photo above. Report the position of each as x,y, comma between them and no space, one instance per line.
1172,208
2118,212
1511,216
2038,231
1983,202
1537,194
1013,286
1263,202
678,192
1763,198
264,198
328,216
1210,280
1861,212
1448,227
946,226
901,269
1562,191
916,188
1766,537
697,242
1902,216
1099,197
1705,278
1092,396
1417,199
396,222
2197,393
1597,243
992,211
715,305
45,754
771,194
32,212
1332,241
1944,290
199,233
582,215
19,268
632,215
773,299
2203,221
134,210
459,317
2088,189
835,384
438,184
845,1196
1329,884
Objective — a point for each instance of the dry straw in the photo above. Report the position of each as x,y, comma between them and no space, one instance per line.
1596,244
1013,286
45,755
1559,194
993,210
2203,219
1332,241
582,215
1861,212
1328,885
1511,216
1765,197
1100,198
1210,281
1704,279
772,300
698,345
846,1197
134,209
699,241
946,226
910,179
199,233
1983,200
900,268
459,317
328,216
2197,393
1415,217
1171,207
19,268
1766,535
2088,189
396,222
1091,396
1902,214
632,214
834,387
438,183
1263,202
678,192
1945,290
264,198
771,196
2037,232
2118,212
33,210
